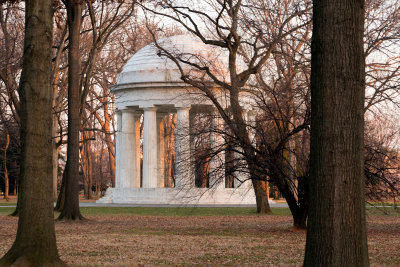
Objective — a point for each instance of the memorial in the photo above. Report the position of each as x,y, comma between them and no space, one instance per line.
149,89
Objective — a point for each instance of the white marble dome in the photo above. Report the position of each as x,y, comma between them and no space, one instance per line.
148,68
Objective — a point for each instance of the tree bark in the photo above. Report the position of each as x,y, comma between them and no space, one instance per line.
276,192
57,140
35,243
55,151
170,151
71,210
298,207
86,155
61,196
261,192
55,147
6,180
336,233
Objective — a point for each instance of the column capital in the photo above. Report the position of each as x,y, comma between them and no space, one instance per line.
149,108
127,110
183,107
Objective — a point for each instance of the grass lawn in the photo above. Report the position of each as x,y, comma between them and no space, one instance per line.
8,204
197,237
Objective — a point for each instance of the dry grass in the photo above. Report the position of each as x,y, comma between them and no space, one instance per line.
197,241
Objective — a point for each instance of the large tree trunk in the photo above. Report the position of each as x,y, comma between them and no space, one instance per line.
35,243
336,233
71,210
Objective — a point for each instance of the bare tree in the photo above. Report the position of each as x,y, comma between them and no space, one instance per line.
381,50
249,44
104,19
381,160
35,243
11,32
336,230
11,21
70,209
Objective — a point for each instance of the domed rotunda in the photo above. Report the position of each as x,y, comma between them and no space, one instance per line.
149,92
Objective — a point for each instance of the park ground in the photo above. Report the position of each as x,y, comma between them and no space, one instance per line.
150,236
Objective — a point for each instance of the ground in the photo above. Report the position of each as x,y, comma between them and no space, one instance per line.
196,237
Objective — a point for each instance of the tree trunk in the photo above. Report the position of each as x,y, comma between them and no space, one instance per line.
89,167
61,196
55,173
6,180
71,210
276,192
35,243
336,233
170,151
229,166
261,192
55,107
86,156
15,213
298,204
15,191
110,143
55,150
100,179
300,220
84,166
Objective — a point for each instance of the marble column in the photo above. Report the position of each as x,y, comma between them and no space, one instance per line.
150,148
127,149
137,180
217,161
161,150
118,147
183,167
